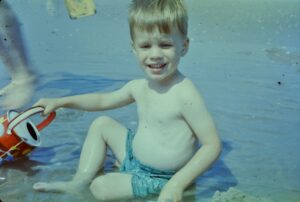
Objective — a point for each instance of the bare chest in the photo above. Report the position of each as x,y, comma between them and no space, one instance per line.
161,109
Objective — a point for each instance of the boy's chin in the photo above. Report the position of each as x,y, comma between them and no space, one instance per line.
158,78
155,77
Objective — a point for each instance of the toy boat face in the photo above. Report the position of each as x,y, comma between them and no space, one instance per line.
18,135
22,140
26,130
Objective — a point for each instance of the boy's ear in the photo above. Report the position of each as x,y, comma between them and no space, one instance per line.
186,45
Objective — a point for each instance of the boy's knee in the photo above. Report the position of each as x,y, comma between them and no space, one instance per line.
102,121
99,189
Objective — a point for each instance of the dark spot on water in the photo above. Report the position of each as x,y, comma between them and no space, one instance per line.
279,82
5,39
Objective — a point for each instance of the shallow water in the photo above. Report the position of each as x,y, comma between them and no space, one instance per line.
244,58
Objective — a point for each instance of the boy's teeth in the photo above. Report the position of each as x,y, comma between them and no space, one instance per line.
157,66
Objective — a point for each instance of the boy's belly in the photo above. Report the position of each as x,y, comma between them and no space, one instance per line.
169,152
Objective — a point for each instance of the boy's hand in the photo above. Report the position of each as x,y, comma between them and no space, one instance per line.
49,105
170,193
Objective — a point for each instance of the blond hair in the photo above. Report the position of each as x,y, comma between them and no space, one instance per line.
147,15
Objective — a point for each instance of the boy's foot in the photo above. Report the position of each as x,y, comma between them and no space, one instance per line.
60,187
2,179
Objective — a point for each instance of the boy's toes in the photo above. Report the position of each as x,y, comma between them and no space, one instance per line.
40,186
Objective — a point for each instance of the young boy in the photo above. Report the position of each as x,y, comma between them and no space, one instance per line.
162,157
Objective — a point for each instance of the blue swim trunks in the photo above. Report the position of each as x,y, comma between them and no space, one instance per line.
145,180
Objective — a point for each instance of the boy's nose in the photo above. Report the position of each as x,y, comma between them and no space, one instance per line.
155,53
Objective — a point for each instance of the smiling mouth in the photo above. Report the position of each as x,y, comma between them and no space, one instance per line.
156,66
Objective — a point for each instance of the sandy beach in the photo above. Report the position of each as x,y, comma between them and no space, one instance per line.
244,57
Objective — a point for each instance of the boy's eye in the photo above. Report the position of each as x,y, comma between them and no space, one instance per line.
145,46
166,45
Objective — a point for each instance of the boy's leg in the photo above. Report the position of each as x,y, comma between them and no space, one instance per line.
112,186
103,131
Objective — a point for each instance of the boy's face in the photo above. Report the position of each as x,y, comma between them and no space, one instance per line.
158,53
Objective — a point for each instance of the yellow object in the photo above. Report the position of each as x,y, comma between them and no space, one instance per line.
80,8
2,119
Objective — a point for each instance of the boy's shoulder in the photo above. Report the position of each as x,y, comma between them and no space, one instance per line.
187,90
187,86
135,83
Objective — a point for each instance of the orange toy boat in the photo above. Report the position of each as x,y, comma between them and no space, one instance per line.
18,134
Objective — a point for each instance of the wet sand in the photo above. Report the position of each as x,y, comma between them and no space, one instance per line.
244,57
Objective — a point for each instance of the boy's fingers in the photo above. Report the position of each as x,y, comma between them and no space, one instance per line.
47,111
38,103
35,105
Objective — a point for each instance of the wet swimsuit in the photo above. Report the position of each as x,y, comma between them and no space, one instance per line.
145,179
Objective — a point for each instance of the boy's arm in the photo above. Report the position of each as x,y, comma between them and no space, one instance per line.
91,101
200,121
